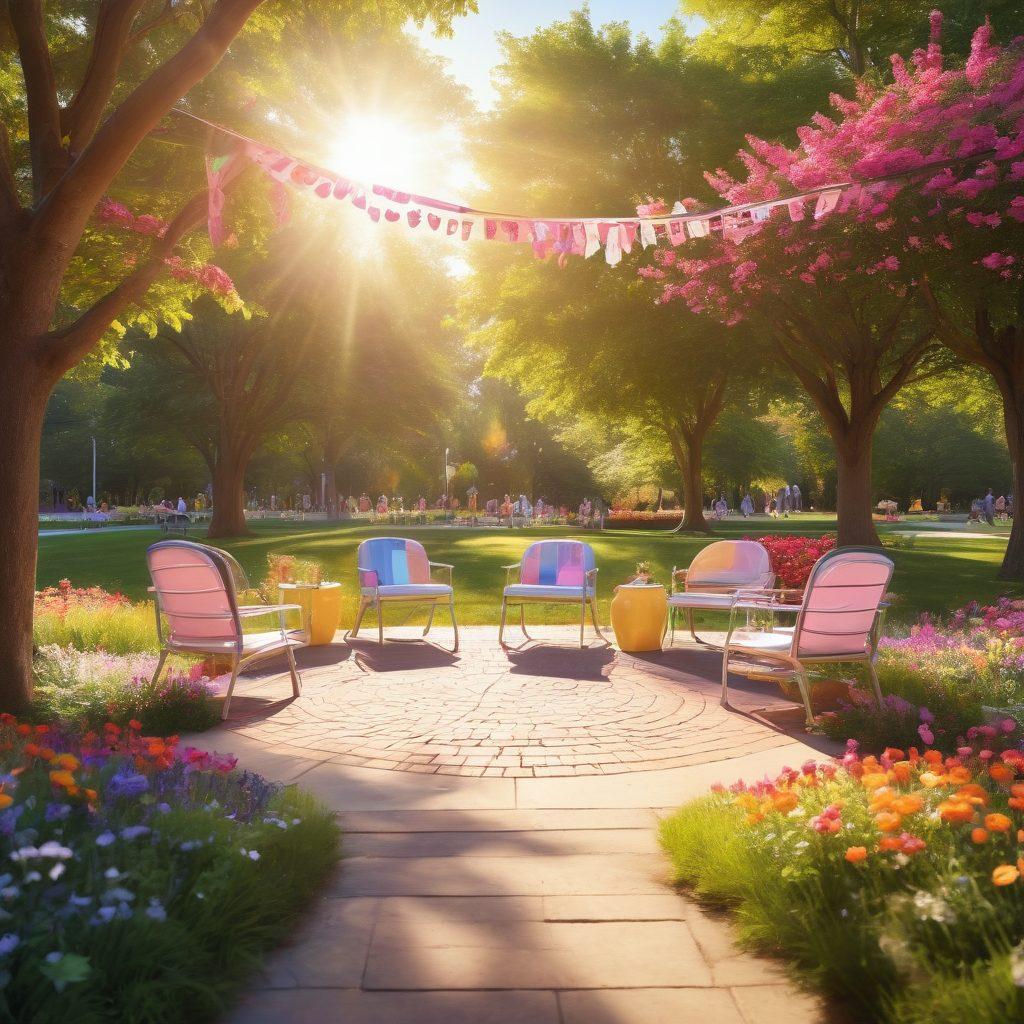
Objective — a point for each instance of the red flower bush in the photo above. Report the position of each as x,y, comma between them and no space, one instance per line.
61,599
793,558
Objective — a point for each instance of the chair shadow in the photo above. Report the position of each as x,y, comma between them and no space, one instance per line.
400,655
538,658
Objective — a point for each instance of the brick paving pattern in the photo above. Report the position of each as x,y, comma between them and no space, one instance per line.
540,711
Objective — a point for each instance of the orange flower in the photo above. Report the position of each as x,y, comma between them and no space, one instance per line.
997,823
63,778
893,754
785,801
856,854
1016,802
68,761
888,821
1000,772
1005,874
888,843
973,793
1017,789
958,775
932,779
979,836
956,812
901,771
5,800
909,804
875,781
932,757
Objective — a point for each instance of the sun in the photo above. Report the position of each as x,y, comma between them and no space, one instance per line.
379,150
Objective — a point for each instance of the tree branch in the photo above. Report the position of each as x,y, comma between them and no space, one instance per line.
114,19
48,155
69,205
69,345
10,205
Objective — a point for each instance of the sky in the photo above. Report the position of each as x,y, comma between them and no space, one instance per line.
473,50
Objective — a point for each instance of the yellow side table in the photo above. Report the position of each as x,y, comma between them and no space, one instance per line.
639,614
321,608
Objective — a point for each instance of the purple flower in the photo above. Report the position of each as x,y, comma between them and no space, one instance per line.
127,783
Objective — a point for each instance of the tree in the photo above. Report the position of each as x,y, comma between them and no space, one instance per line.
855,36
83,88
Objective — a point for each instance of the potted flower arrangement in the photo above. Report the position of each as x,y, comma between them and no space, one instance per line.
292,580
643,575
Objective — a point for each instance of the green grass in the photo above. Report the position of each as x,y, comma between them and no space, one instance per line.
932,573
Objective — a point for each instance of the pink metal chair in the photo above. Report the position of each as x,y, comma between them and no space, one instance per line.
716,573
394,569
195,588
553,572
837,621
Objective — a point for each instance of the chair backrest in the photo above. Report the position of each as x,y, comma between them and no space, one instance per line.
556,563
195,591
841,602
730,563
392,561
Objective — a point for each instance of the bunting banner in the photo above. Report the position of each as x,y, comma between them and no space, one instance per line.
561,236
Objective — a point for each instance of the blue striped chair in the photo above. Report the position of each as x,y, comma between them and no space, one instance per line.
553,572
393,569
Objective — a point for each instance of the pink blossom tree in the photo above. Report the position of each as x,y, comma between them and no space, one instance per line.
856,298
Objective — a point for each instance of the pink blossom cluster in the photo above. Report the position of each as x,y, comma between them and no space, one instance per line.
935,165
208,275
793,558
109,211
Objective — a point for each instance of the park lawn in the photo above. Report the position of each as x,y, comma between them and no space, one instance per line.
932,573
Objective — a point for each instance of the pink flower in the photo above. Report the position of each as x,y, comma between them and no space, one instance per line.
927,736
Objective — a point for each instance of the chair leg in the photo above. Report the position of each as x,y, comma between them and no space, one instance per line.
231,689
672,627
874,682
597,625
805,692
725,676
583,620
296,678
380,622
693,631
160,664
522,621
455,625
359,617
501,628
430,619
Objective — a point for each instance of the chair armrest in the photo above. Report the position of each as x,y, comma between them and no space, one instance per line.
591,573
249,611
440,565
514,565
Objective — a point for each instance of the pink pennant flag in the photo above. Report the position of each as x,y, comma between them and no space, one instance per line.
219,171
677,232
796,209
826,203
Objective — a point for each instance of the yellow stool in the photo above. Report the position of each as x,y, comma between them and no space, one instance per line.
321,608
639,614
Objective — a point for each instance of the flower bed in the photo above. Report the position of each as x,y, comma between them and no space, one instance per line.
792,557
895,882
88,689
939,678
142,882
625,519
90,618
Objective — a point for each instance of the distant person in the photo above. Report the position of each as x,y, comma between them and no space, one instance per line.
798,499
1001,506
182,507
721,507
780,502
988,508
747,506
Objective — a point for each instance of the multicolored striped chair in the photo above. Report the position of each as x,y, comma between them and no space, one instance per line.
553,572
393,569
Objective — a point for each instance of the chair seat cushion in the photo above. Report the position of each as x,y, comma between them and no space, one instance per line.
409,590
778,642
542,592
694,599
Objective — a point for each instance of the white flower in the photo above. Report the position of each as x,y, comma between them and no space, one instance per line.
56,871
33,876
25,853
55,850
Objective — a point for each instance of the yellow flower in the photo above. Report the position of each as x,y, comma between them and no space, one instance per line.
1005,874
68,761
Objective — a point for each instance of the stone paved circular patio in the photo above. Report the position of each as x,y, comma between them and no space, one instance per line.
539,711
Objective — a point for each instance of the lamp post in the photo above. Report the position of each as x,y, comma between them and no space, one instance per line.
95,500
446,451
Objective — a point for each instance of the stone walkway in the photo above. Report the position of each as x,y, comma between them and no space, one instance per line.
509,897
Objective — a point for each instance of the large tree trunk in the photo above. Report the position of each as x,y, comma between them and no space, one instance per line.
856,526
24,390
688,451
1012,391
229,491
